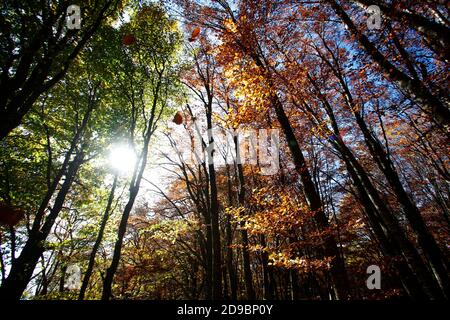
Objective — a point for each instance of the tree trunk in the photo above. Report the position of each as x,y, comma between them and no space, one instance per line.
430,248
250,292
214,210
435,33
229,240
267,283
337,270
22,271
382,221
415,88
33,74
134,190
98,241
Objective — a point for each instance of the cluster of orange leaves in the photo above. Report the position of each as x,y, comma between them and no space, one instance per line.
278,213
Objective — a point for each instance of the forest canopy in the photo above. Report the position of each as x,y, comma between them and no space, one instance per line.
224,150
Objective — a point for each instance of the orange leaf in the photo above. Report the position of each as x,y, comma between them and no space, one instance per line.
195,33
178,119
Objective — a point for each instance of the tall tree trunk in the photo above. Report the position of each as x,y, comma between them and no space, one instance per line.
62,279
135,184
268,285
22,268
295,288
389,248
22,271
208,256
415,88
33,75
229,240
430,248
248,280
382,221
134,190
98,240
337,270
214,209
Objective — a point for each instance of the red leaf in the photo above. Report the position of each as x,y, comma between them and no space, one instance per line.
9,215
128,39
194,35
178,118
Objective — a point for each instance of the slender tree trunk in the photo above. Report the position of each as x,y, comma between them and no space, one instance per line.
209,254
415,88
42,287
337,270
134,190
22,271
214,209
386,167
229,240
268,281
430,248
98,240
379,213
248,280
435,33
389,248
62,279
33,76
295,289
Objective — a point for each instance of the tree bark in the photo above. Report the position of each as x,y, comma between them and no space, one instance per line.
32,76
248,280
229,240
337,270
416,89
214,210
22,271
384,224
98,241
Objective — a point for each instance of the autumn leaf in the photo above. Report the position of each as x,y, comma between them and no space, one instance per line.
194,35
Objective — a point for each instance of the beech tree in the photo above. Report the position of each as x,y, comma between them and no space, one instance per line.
38,48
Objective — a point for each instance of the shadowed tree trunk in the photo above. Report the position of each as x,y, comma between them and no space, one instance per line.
35,63
229,240
381,219
98,240
415,88
434,32
217,260
22,270
250,292
134,190
23,267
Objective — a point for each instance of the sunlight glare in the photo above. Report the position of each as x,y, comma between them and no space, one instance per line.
122,158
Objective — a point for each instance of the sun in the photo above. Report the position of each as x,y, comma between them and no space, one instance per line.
122,158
